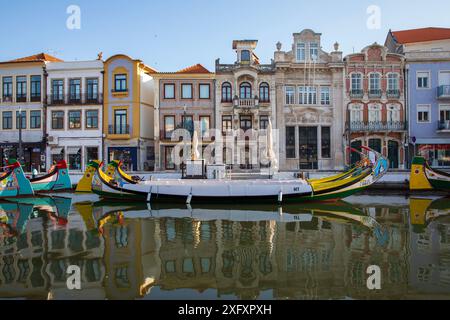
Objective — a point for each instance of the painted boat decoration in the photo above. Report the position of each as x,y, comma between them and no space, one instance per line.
14,217
13,182
85,183
423,211
270,191
114,170
57,179
423,177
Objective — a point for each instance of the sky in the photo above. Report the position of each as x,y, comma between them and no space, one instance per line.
169,35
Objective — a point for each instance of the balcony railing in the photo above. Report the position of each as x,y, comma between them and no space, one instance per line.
393,94
21,98
356,93
375,93
35,98
377,126
71,99
443,92
116,129
444,125
245,103
7,99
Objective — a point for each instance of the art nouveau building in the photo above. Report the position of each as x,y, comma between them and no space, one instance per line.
183,100
22,93
245,100
375,114
74,112
128,113
309,89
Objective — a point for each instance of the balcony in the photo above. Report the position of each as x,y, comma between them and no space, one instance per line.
70,99
21,98
374,93
443,92
393,94
7,99
124,129
356,94
373,126
35,98
444,126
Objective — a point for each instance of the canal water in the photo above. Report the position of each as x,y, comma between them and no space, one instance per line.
314,251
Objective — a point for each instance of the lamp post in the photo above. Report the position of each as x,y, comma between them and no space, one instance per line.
20,136
184,133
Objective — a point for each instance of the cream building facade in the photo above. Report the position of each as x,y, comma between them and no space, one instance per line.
309,95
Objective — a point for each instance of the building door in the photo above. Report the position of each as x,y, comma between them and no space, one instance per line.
393,154
355,157
308,147
375,144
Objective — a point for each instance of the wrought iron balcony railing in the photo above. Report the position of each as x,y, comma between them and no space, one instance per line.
75,99
443,92
393,94
444,125
119,129
377,126
356,93
375,93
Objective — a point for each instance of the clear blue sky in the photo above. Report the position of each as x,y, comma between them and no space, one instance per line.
173,34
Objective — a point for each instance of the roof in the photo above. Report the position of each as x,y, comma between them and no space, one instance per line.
40,57
195,69
421,35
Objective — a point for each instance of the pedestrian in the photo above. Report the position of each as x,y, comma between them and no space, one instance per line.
34,171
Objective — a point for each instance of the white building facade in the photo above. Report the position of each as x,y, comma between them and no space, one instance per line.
74,112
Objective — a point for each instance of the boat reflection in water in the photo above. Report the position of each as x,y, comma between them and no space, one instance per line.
313,251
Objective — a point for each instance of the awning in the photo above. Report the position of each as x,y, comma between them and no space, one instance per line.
433,141
73,150
56,150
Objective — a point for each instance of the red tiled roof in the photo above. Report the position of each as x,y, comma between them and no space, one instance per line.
198,68
421,35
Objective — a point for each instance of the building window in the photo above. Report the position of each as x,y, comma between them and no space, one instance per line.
314,51
120,83
21,89
91,119
326,142
188,123
75,90
120,122
444,115
75,119
74,157
307,95
290,142
264,92
57,120
169,91
393,82
91,154
290,95
7,89
356,83
92,90
325,96
204,125
245,90
57,90
21,119
35,88
168,158
263,122
393,113
246,123
226,92
374,113
204,91
169,126
7,120
423,113
423,80
301,52
356,113
35,119
375,84
186,91
227,123
245,56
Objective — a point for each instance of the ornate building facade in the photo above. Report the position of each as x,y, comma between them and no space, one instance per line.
374,104
309,89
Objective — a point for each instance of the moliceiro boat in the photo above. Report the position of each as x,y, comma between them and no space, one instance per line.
423,177
271,191
113,171
57,179
13,182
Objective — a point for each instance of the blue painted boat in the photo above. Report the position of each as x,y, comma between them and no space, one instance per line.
57,179
13,182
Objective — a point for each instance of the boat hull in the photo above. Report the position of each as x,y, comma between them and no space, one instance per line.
14,183
56,180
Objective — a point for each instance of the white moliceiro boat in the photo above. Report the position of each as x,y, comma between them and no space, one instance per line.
271,191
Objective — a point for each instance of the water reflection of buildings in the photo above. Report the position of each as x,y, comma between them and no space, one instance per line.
324,258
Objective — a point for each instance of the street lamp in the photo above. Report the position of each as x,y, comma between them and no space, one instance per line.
20,136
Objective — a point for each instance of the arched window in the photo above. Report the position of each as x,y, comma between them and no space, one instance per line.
245,90
264,92
226,92
245,56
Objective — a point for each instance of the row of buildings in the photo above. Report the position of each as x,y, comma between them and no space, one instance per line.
393,98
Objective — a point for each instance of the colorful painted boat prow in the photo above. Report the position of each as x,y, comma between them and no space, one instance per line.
114,171
423,177
269,191
57,179
85,183
13,182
